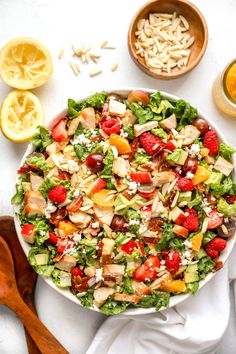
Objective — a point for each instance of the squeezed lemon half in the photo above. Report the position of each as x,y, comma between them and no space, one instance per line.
21,113
25,63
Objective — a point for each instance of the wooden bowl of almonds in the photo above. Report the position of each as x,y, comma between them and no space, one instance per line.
167,38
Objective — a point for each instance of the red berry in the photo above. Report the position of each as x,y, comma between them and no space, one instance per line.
215,219
53,239
94,162
191,212
111,126
185,184
141,177
211,142
151,143
129,247
170,145
190,165
57,194
215,246
153,262
27,229
59,132
201,124
77,272
172,262
231,199
191,223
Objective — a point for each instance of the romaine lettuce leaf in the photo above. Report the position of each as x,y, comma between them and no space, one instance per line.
225,208
39,162
185,113
157,299
112,307
205,266
96,101
141,158
226,151
41,139
18,197
106,173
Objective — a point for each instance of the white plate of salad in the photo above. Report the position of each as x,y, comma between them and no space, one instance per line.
125,202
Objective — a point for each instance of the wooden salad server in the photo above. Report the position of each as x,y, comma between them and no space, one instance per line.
10,297
25,275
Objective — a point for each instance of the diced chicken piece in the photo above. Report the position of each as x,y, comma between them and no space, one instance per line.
159,281
113,272
116,108
127,298
66,263
223,166
104,215
129,118
36,182
87,118
140,288
34,209
161,178
73,126
191,133
169,123
101,295
35,197
80,218
56,147
106,259
141,128
120,167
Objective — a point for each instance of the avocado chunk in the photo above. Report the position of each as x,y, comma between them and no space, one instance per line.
191,277
185,196
41,259
192,268
182,158
215,177
200,254
26,186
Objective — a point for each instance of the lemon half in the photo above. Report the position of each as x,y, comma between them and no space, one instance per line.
21,113
25,63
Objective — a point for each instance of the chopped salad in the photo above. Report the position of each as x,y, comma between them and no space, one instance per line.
127,201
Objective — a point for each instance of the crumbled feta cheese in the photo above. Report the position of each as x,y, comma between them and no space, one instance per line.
42,233
132,187
98,274
123,133
50,208
134,222
187,244
95,225
189,175
76,193
162,262
81,139
73,166
174,132
76,237
162,267
142,229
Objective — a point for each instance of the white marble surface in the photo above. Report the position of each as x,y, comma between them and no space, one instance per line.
57,24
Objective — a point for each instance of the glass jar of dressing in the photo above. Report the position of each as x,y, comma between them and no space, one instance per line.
224,90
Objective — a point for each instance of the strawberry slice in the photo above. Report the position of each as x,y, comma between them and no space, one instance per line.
59,132
129,247
151,143
53,239
215,219
141,177
170,145
99,184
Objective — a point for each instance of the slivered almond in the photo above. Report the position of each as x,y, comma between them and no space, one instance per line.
95,72
114,67
103,44
74,67
61,53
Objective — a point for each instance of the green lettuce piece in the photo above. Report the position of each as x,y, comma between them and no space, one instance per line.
143,114
39,162
225,208
127,286
41,232
205,266
141,158
61,278
185,113
165,109
157,299
222,188
121,238
155,99
79,130
82,150
106,173
112,307
215,178
96,101
129,131
192,287
208,236
44,270
226,151
87,300
41,139
160,133
174,156
196,200
18,197
167,236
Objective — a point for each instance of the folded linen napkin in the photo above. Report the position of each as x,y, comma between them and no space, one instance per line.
195,326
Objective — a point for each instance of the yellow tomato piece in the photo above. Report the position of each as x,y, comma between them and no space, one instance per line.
204,152
230,82
104,198
196,242
120,143
173,286
201,175
66,228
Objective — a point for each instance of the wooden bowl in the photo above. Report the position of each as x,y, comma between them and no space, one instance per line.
197,28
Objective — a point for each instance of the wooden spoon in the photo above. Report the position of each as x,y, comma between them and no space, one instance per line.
10,297
25,275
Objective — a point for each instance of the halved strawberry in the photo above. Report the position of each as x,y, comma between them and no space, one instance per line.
144,273
170,145
141,177
129,247
215,219
59,132
151,143
53,239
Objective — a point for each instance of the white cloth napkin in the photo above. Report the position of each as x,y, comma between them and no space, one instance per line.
195,326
